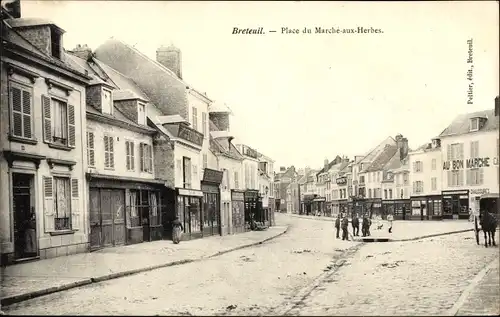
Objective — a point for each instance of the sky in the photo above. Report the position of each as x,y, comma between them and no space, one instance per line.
301,98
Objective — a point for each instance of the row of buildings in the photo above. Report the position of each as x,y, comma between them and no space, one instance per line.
441,179
104,148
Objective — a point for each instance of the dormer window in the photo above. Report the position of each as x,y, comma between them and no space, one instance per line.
55,41
474,124
141,115
107,101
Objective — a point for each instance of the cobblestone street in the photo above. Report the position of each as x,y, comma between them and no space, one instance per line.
304,272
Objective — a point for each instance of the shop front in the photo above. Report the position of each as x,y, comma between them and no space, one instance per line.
252,205
211,214
189,211
426,207
125,211
399,208
475,196
343,207
455,204
318,205
238,211
307,204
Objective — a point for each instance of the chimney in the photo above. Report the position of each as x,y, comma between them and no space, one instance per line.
82,51
12,7
497,106
282,169
402,146
325,163
171,58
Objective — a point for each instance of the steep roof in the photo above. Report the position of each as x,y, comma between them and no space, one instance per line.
376,151
460,125
382,158
394,162
223,146
329,165
117,115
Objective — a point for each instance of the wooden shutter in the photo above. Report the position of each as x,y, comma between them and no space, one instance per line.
448,176
141,156
461,147
111,152
71,126
132,155
90,148
460,178
17,111
448,152
106,151
75,205
127,154
414,167
48,205
47,119
150,158
27,114
481,176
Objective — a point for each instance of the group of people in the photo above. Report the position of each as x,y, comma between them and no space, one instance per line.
342,222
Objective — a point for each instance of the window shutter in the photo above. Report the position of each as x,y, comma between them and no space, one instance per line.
48,207
71,126
468,177
150,157
460,178
141,156
111,152
127,154
27,114
17,113
414,166
106,151
481,176
461,149
90,148
132,155
448,176
448,152
47,119
75,205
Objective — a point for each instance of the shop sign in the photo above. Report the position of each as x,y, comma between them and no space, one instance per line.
479,191
212,176
209,189
190,135
237,196
415,203
190,192
469,163
341,181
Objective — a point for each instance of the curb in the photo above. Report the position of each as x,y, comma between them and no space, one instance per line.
465,294
26,296
380,239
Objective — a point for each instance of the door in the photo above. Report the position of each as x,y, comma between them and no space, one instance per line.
25,237
95,218
106,218
144,210
117,204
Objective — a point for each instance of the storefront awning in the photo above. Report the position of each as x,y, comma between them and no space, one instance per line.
319,199
490,195
308,197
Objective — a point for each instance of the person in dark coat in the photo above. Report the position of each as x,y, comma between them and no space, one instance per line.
177,230
365,226
337,226
355,225
345,225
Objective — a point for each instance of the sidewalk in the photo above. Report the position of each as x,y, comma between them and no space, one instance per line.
484,298
407,230
23,281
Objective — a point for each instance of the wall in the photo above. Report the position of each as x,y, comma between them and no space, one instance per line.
250,179
427,173
488,148
180,151
120,136
50,245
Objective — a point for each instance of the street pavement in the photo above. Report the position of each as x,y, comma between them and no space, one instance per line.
79,269
303,272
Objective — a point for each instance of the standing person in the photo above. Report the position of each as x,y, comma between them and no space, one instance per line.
390,218
337,225
177,229
355,225
345,225
30,246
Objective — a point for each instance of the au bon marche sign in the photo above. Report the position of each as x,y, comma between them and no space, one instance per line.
470,163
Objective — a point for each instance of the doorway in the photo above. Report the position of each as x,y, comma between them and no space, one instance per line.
25,236
107,217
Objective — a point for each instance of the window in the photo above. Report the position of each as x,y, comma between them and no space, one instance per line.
369,193
146,157
433,183
107,101
433,164
186,168
90,149
141,116
418,187
55,39
62,203
204,124
236,181
205,160
109,155
455,151
455,178
195,118
475,176
130,155
385,193
361,179
58,122
21,105
369,177
406,179
474,149
390,193
474,124
417,166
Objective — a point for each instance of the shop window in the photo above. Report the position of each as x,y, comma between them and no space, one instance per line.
133,211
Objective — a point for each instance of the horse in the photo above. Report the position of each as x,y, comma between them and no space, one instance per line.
488,223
